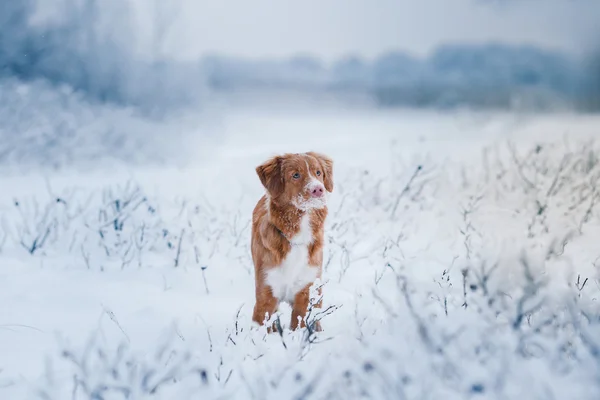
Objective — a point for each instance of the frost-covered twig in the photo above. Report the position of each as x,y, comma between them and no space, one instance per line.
520,166
179,248
114,319
203,269
100,372
405,190
529,302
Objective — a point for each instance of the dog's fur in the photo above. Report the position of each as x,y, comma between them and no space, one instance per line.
287,233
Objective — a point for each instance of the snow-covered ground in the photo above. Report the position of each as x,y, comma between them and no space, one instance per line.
461,261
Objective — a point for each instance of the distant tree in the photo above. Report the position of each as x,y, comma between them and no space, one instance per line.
93,46
593,82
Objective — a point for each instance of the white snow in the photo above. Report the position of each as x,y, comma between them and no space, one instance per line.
465,278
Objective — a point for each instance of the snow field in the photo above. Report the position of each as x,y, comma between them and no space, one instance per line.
461,262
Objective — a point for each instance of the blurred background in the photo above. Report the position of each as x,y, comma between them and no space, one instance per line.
130,131
87,78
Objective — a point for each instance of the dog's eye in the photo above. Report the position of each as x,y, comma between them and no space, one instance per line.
318,173
296,176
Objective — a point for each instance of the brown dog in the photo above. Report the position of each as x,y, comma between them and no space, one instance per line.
287,232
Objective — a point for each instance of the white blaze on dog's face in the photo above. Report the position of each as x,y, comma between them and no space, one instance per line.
303,180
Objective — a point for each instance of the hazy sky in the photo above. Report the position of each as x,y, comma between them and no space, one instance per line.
331,28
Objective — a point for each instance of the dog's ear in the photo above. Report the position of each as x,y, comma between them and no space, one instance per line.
327,165
270,176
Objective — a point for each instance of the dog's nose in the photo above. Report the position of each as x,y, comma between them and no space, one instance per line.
317,191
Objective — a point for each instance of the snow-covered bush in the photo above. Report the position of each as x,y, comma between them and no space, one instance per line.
45,126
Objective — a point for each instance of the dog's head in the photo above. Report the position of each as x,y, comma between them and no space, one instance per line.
302,180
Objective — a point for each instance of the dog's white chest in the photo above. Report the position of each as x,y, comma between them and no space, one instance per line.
294,273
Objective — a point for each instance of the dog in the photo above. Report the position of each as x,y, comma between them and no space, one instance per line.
288,233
